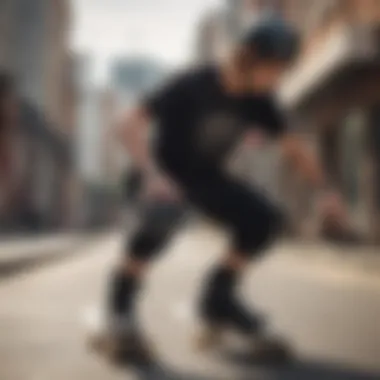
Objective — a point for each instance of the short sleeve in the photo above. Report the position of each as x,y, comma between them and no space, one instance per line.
173,95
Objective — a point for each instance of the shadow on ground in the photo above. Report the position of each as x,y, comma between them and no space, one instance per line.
285,371
297,369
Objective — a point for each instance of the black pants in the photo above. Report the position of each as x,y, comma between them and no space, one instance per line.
251,218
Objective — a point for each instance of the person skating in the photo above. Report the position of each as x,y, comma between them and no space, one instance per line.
200,117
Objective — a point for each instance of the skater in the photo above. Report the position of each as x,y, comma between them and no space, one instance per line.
199,118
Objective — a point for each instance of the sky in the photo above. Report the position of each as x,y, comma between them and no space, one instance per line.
163,29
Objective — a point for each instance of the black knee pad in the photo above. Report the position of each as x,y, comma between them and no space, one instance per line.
158,222
146,244
252,237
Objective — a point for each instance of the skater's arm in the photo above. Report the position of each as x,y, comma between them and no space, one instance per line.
305,162
330,203
276,121
133,131
166,102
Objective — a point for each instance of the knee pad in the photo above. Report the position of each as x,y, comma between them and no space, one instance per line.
145,244
253,237
155,230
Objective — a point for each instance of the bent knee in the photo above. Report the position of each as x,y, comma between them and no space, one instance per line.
154,232
253,236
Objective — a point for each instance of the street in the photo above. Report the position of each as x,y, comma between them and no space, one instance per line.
329,314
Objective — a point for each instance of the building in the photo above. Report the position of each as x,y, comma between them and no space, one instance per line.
35,45
111,149
214,36
91,136
97,106
95,150
33,48
59,67
131,79
334,88
4,31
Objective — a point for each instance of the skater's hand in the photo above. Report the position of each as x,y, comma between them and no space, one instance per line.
333,210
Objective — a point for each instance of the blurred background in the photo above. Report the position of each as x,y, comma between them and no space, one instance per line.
67,71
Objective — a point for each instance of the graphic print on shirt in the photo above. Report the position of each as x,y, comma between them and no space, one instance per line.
218,134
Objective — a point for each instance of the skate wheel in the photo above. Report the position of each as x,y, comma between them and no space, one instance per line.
122,352
104,346
209,338
271,352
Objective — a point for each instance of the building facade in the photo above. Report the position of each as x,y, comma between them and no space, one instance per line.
334,88
214,36
33,50
36,50
94,149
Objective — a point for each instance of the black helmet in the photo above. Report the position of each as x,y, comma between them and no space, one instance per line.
272,38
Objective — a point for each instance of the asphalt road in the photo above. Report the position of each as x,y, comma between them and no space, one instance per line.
329,313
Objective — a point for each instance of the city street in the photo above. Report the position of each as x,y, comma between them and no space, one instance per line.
329,313
107,106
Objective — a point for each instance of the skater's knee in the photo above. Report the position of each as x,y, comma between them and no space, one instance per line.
252,238
146,244
155,231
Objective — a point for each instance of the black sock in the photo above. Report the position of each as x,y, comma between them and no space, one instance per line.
122,293
220,304
218,288
222,282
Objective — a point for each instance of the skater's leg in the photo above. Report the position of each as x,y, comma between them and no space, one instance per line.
122,339
254,223
221,302
158,222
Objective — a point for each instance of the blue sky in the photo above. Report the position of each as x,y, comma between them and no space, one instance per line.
164,29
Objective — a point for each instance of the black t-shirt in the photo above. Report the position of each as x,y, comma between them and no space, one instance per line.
199,123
